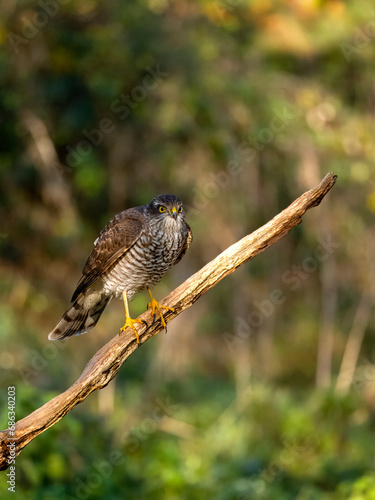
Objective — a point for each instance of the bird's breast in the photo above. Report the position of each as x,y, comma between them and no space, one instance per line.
145,262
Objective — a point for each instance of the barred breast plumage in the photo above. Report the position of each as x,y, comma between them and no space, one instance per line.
156,250
132,253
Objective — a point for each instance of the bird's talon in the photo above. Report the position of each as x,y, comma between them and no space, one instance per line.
155,306
130,321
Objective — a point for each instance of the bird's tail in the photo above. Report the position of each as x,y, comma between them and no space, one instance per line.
82,315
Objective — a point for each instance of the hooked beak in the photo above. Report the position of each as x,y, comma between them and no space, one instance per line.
174,213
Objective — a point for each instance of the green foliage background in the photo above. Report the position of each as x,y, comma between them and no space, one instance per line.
237,107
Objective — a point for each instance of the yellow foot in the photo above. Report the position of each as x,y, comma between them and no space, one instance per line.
155,306
130,323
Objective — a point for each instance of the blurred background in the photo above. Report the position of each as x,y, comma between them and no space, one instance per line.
264,389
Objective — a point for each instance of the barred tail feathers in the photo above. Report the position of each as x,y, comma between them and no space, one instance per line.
82,315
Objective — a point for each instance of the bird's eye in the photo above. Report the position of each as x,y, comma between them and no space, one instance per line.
180,209
162,209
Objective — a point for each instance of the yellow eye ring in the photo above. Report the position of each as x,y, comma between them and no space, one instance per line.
162,209
180,209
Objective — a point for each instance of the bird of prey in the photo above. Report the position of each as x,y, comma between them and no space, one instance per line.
134,250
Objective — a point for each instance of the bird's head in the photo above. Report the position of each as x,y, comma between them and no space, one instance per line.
167,207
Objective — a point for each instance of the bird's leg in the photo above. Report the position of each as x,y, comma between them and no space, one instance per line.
129,322
154,304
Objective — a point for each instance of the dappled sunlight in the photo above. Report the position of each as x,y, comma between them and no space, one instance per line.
264,388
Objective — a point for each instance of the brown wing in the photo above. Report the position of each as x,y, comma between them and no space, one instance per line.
187,243
114,241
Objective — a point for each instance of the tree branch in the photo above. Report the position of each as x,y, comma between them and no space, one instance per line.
104,365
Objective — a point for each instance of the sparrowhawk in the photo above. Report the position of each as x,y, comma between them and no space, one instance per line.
134,250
